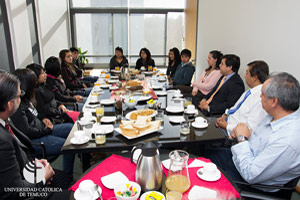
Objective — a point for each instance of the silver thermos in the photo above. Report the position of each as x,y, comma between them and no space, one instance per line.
148,172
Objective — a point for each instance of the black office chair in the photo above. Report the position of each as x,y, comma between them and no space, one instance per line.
252,191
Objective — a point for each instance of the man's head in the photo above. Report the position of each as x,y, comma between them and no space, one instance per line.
10,94
281,90
185,55
230,63
75,52
256,73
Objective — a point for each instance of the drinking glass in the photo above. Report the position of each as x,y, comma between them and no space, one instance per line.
118,109
160,115
185,127
100,138
99,113
187,101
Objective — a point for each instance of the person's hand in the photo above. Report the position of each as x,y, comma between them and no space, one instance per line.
84,85
203,105
49,172
171,81
241,129
63,108
221,122
194,93
78,98
48,123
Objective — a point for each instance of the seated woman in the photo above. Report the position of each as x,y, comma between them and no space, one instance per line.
46,104
70,76
207,80
144,60
55,84
174,61
26,119
118,60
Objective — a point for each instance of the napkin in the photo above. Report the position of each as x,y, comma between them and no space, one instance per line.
196,163
198,192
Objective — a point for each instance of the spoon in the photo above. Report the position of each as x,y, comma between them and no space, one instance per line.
96,188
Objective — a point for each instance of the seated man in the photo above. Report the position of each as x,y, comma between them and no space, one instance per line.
270,154
248,108
185,70
228,89
16,152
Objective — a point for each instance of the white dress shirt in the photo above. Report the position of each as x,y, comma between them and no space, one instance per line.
272,153
250,112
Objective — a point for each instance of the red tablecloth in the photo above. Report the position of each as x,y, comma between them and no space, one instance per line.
117,163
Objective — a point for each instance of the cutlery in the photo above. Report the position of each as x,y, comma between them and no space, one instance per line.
96,188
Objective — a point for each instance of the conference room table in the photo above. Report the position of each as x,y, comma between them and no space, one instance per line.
169,136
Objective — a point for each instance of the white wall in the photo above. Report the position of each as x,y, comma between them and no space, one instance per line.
53,29
20,33
252,29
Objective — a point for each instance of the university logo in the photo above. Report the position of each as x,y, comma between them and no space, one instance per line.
34,172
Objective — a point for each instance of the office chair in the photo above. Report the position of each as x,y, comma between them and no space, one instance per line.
252,191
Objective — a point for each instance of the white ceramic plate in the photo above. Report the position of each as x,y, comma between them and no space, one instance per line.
127,116
102,128
116,71
191,111
114,77
74,140
173,109
156,87
178,95
144,98
105,86
146,72
112,81
195,125
77,194
114,88
88,119
161,93
108,119
176,119
107,101
161,79
118,130
112,180
143,197
209,178
202,192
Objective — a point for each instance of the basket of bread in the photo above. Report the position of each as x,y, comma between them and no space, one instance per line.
141,126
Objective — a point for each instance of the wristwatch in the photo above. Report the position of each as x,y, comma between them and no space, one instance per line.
241,138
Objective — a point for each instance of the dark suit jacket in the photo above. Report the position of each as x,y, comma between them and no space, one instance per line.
14,155
227,95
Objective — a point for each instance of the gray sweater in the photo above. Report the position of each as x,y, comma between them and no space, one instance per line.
184,74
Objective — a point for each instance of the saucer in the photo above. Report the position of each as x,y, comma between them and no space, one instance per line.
161,93
176,119
105,86
74,140
174,109
87,119
107,119
113,87
79,196
178,95
156,87
112,81
209,178
195,111
114,77
196,125
107,101
100,129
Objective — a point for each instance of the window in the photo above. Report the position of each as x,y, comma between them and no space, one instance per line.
100,26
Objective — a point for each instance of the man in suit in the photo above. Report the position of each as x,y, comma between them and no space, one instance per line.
227,90
16,150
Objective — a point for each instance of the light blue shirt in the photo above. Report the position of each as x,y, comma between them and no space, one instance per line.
272,153
228,77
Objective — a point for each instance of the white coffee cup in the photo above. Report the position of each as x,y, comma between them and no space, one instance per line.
209,169
177,92
87,114
143,68
190,108
79,135
93,98
200,120
86,189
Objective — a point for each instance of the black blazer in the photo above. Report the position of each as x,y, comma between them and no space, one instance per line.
227,95
14,155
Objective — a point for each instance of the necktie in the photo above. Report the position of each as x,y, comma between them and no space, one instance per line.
212,96
7,126
232,111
